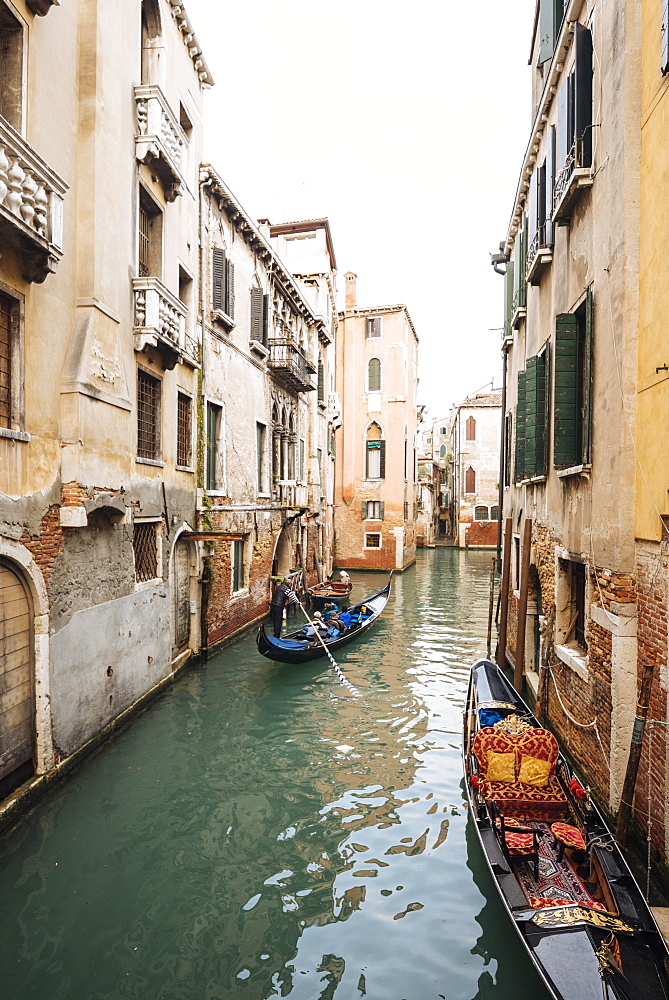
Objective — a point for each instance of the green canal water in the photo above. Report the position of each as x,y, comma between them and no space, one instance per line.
261,832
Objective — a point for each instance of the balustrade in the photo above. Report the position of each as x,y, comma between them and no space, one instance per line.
160,321
31,205
160,138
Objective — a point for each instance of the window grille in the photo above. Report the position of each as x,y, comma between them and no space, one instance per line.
5,361
373,326
237,565
373,540
183,430
144,241
145,548
148,415
481,513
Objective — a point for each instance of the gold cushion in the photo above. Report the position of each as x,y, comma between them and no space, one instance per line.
501,766
534,771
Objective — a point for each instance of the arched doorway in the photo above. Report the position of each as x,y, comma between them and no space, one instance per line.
180,596
282,563
17,683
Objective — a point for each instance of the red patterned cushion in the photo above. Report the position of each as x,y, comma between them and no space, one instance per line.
543,902
539,743
518,843
527,801
568,835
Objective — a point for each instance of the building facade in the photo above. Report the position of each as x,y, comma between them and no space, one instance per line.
474,475
100,365
376,381
569,352
263,505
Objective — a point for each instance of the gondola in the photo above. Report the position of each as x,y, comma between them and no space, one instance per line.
294,649
330,590
562,878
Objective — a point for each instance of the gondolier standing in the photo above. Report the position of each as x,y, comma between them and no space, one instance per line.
281,595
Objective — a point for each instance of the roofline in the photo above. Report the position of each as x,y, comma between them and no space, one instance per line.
190,41
305,226
370,311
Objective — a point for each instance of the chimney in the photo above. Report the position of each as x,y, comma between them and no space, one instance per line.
350,278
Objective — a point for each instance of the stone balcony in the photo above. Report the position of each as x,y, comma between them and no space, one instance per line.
161,322
290,367
31,205
160,140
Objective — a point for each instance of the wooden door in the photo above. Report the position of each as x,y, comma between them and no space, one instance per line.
17,727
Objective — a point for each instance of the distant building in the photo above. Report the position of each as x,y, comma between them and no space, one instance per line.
475,445
376,379
430,478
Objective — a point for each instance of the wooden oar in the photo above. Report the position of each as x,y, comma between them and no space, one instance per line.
337,669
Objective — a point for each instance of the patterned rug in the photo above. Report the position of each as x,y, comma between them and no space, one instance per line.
557,879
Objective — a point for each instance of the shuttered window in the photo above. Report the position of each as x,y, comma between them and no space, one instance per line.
519,464
551,13
257,315
508,298
223,283
213,472
532,417
374,375
372,510
573,378
373,326
508,443
519,267
470,480
470,429
5,361
237,565
376,460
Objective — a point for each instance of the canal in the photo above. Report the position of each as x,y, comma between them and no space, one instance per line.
261,832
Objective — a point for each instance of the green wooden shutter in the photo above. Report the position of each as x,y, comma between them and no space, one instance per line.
382,474
566,401
545,394
218,282
531,429
519,472
508,299
364,510
382,508
587,379
256,314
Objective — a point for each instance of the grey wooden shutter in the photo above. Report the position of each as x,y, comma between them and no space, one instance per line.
546,30
218,279
533,207
665,36
508,298
265,318
583,93
565,400
562,142
256,314
382,508
587,379
230,288
364,510
382,474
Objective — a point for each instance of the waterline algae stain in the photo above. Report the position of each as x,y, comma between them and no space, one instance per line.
259,832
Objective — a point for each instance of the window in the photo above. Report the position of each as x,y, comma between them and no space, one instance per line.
321,382
517,283
223,272
319,457
470,481
148,416
481,513
573,140
5,361
494,513
508,441
572,591
303,470
261,437
11,366
532,417
406,510
375,453
150,237
372,540
442,430
573,378
470,429
237,558
184,429
373,327
551,13
259,316
213,480
145,547
373,375
442,451
11,76
372,510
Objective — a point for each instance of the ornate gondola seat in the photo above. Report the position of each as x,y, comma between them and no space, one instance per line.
518,773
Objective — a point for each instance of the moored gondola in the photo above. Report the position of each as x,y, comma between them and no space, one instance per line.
562,878
338,592
294,648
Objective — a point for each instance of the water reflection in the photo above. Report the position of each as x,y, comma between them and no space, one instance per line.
259,832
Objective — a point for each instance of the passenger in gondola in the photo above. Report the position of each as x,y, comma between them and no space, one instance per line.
314,628
335,627
329,610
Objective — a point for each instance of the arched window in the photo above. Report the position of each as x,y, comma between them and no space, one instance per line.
494,513
470,429
470,481
442,451
374,375
481,513
375,453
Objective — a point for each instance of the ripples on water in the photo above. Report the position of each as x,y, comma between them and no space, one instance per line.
260,832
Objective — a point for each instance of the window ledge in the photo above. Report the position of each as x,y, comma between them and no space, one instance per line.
222,317
574,657
322,404
575,470
185,468
258,348
157,581
150,461
244,592
7,432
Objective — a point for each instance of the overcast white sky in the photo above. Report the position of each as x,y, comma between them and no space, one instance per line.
404,124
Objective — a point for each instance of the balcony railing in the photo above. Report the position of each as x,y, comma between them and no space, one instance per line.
539,254
290,366
160,140
573,176
160,321
31,205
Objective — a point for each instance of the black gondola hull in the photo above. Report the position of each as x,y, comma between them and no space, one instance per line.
268,647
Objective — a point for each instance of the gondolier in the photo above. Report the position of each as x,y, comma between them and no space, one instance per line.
280,597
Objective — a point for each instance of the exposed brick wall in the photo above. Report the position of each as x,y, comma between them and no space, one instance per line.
48,544
481,533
